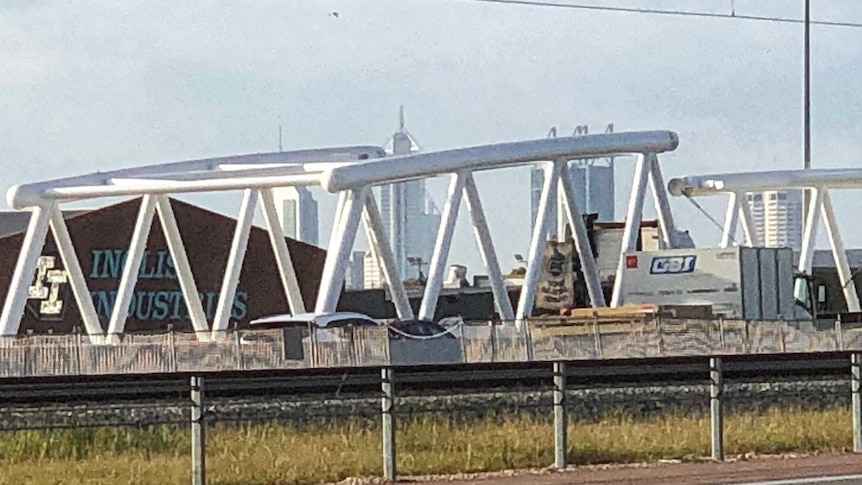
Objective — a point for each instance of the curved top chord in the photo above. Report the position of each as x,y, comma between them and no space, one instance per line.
221,173
421,165
697,185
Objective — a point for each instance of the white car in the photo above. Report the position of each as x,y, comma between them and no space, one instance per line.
293,326
320,320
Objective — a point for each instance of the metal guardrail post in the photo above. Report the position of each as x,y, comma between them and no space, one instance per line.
716,391
387,375
856,393
560,419
198,432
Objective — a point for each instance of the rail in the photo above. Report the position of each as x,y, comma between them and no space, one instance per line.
356,347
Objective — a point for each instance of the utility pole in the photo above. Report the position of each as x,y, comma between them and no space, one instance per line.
806,108
807,88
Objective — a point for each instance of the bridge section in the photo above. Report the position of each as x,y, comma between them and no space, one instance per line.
349,172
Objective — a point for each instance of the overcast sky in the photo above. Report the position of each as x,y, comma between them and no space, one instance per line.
88,86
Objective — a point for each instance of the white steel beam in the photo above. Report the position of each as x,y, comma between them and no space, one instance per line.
437,266
233,270
25,267
422,165
751,238
182,266
537,247
381,251
728,233
632,229
132,266
337,257
845,277
662,205
582,239
27,195
283,260
809,240
76,276
843,178
487,251
336,220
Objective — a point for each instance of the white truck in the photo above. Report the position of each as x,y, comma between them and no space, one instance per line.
738,282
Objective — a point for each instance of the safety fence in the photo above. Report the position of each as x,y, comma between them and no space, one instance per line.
536,340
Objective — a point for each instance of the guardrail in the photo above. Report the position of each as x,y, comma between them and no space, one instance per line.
302,348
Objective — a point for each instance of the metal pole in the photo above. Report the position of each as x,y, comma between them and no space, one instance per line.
716,390
806,103
856,390
807,87
198,436
560,420
387,375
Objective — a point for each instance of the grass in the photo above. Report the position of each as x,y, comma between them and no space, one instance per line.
269,454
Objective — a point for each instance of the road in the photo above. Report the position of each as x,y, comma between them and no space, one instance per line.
845,469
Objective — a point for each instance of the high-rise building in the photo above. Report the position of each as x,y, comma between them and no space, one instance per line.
409,216
354,279
777,217
297,213
593,183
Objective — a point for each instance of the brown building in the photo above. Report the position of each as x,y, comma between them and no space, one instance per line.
101,238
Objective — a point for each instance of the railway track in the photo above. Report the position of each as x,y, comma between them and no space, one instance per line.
472,377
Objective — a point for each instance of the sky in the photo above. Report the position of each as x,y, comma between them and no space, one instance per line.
87,86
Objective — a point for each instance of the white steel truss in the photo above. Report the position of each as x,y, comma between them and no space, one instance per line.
817,183
350,172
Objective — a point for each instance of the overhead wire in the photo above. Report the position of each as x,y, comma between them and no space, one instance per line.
679,13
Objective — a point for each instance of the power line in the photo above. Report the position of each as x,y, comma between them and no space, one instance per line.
677,13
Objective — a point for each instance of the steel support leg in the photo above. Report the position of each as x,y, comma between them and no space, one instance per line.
716,419
634,215
388,406
845,277
809,239
537,247
132,266
662,204
25,267
441,247
856,393
728,234
198,432
582,240
232,271
560,420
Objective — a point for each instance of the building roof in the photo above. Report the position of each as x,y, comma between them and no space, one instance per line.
823,258
12,222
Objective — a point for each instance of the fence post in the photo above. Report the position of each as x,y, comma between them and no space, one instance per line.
597,336
856,390
839,333
463,340
493,341
716,391
198,432
387,375
560,420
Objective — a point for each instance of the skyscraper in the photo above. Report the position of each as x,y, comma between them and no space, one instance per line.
593,183
777,217
297,213
409,216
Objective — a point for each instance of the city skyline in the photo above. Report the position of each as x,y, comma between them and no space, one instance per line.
469,74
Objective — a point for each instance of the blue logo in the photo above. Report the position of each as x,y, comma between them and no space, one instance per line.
672,264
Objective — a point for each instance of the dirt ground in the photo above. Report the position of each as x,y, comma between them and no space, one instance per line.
700,473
